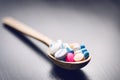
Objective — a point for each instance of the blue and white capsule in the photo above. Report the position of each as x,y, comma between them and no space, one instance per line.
68,48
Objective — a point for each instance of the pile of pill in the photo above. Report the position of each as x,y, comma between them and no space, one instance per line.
73,52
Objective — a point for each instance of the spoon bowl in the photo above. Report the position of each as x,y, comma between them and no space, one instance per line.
47,41
70,65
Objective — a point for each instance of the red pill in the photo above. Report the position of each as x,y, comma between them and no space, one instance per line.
70,57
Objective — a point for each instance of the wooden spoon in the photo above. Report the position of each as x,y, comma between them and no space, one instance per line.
36,35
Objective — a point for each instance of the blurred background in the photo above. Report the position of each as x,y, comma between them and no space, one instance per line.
94,23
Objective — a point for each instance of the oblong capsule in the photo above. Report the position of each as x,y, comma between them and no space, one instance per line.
60,54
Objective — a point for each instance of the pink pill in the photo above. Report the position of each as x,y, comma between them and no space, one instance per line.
70,57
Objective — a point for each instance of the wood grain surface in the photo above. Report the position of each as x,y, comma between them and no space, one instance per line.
94,23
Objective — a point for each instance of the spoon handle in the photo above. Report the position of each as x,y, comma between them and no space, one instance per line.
26,30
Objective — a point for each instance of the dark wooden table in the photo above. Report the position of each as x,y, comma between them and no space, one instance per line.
96,24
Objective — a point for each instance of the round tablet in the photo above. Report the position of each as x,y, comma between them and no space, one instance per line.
69,57
77,51
78,57
75,46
